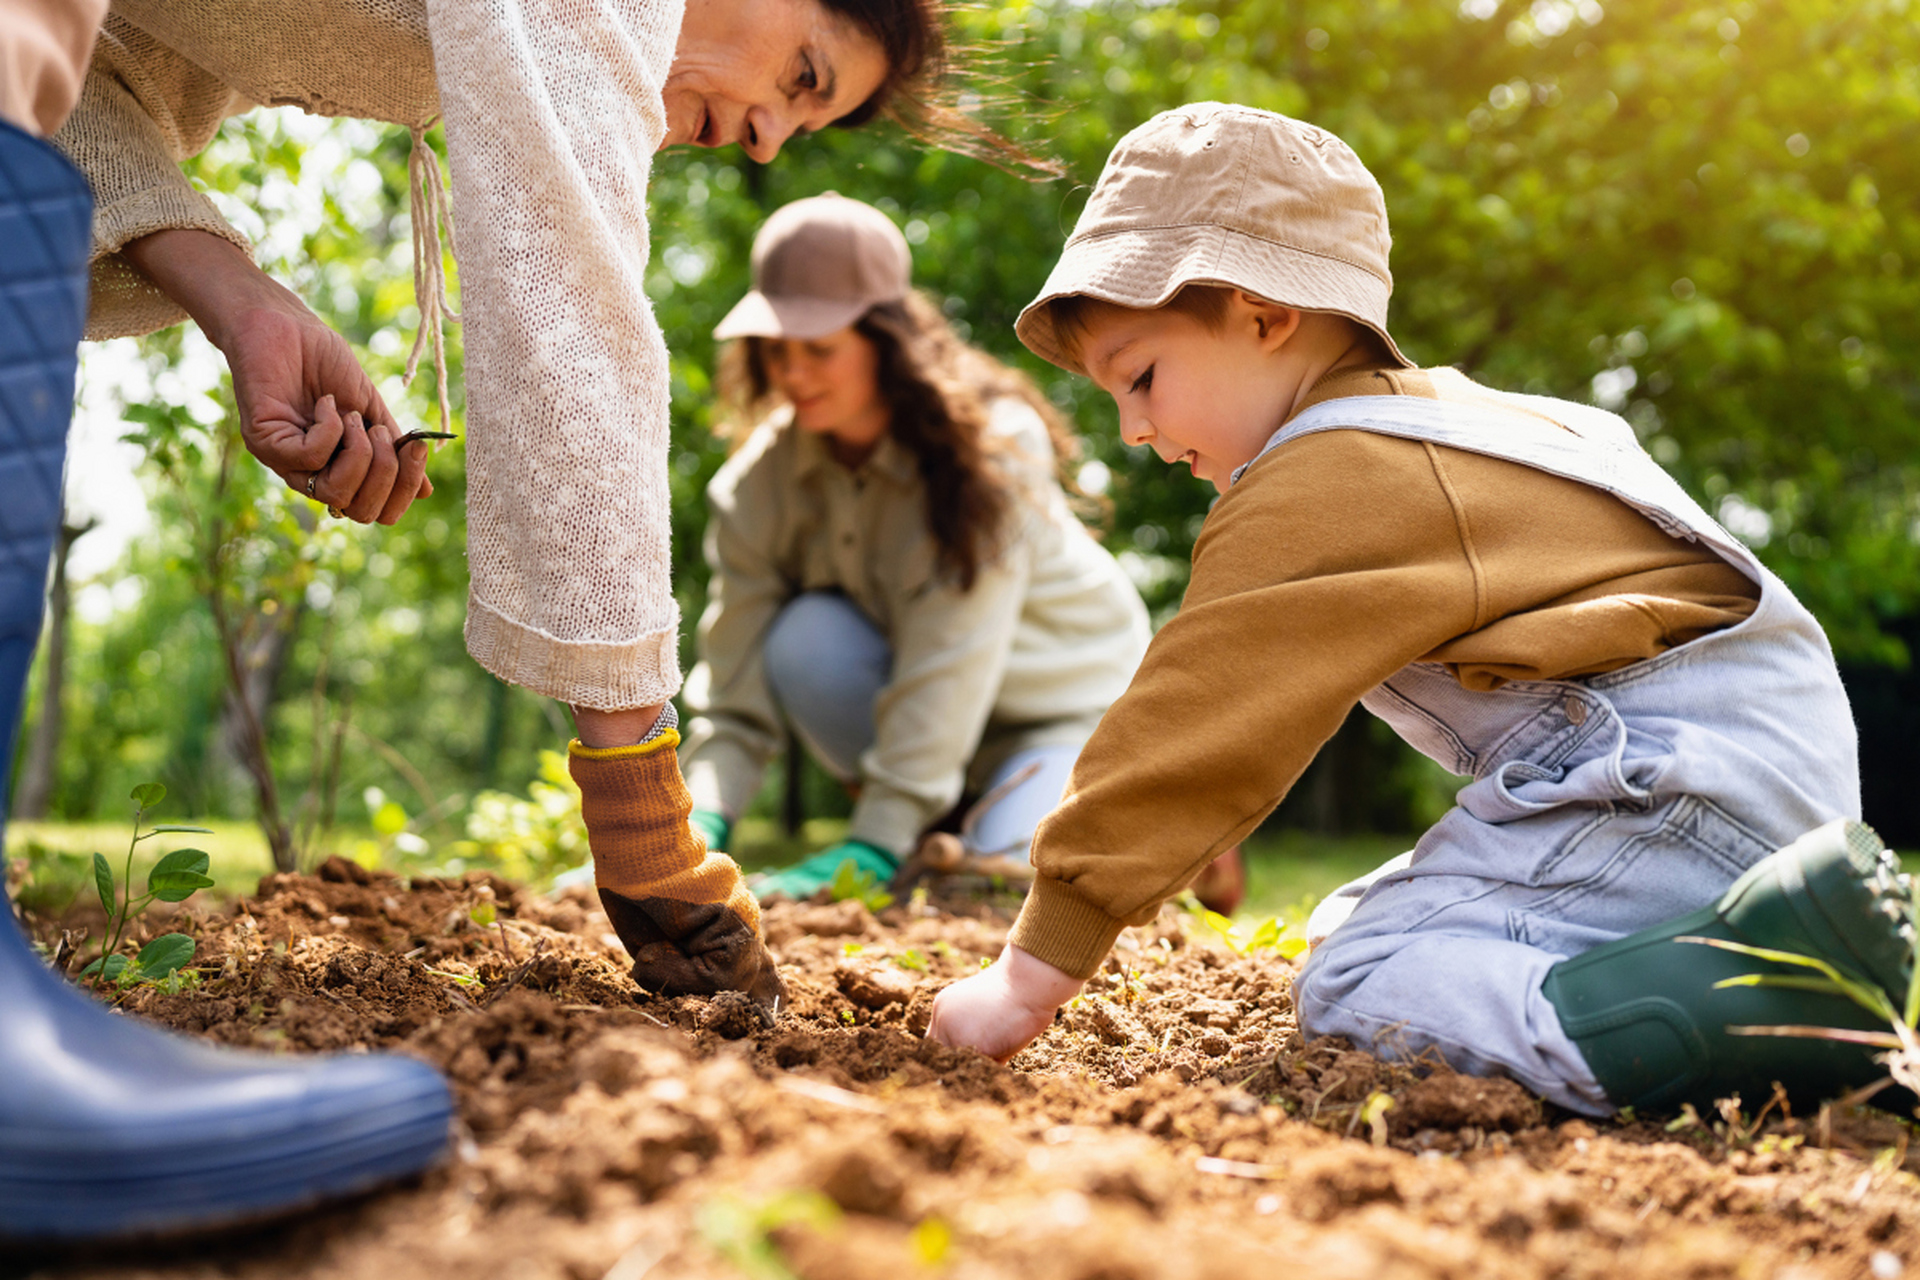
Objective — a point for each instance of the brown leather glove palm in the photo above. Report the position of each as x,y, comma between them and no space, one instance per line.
682,910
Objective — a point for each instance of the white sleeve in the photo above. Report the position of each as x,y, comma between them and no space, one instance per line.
553,112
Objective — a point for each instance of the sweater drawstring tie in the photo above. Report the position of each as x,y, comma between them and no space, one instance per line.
431,208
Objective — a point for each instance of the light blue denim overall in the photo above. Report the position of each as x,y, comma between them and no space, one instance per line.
1597,806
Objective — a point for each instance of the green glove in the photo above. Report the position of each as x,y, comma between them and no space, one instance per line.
804,879
714,826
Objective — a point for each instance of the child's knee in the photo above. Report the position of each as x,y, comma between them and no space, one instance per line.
1331,976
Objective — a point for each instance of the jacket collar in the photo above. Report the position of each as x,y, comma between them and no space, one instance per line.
890,459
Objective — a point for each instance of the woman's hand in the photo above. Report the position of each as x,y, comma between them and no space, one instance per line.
1003,1008
307,409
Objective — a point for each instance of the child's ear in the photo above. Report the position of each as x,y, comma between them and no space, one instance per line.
1272,324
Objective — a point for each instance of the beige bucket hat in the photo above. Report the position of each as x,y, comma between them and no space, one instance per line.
1218,194
820,264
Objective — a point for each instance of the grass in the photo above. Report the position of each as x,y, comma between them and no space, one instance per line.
236,852
1287,871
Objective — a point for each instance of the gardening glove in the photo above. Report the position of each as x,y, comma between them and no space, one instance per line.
872,865
681,909
714,826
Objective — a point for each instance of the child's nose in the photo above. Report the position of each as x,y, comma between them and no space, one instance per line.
1135,431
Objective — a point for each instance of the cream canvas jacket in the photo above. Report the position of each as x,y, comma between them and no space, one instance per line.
1046,639
553,112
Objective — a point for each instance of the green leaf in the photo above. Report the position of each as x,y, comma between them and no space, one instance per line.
148,794
1789,981
179,875
1868,997
390,819
194,860
1912,1011
115,966
178,886
103,881
482,914
173,829
164,954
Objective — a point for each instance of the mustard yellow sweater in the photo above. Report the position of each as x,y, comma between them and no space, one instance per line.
1337,559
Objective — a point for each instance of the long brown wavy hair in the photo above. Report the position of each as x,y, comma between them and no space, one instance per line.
939,390
923,91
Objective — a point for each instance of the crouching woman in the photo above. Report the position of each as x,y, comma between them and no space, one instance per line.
898,573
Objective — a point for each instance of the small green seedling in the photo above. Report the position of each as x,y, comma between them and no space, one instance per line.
458,979
932,1241
742,1231
1268,935
911,959
1374,1115
863,886
175,878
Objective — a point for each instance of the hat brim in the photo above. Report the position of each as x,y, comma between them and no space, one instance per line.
1144,269
759,316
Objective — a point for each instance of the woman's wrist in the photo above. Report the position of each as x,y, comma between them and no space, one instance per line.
615,728
211,278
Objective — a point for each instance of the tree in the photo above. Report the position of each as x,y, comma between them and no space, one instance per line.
1690,213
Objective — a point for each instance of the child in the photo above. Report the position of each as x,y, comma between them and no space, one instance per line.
1509,581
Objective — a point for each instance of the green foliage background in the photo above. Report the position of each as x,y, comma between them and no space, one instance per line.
1703,214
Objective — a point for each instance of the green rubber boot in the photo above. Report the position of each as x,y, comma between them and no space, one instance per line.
1657,1033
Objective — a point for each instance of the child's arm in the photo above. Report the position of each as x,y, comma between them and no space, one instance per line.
1001,1009
1331,564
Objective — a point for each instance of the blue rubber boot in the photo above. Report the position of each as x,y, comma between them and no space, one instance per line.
110,1127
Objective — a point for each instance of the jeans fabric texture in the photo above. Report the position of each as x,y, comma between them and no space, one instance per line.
1596,807
827,662
45,235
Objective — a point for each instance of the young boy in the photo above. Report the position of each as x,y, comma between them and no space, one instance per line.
1646,712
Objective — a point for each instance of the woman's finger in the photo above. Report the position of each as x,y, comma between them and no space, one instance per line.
294,451
340,482
413,473
382,470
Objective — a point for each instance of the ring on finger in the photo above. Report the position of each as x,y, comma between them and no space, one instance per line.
313,482
334,511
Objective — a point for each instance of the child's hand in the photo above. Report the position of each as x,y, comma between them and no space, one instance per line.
1001,1009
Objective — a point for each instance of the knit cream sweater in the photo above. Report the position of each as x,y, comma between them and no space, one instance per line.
553,112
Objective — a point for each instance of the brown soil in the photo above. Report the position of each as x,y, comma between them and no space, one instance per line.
1171,1124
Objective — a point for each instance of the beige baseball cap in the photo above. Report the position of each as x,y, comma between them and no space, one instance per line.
820,264
1227,195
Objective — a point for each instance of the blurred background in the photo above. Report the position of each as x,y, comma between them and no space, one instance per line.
1703,216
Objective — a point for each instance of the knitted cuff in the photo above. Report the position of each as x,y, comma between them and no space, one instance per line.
1064,929
636,808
